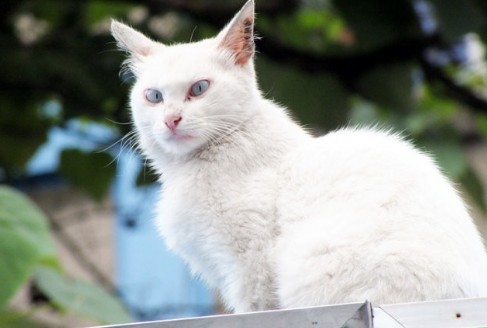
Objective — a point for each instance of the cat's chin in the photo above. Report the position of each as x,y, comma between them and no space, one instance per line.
180,144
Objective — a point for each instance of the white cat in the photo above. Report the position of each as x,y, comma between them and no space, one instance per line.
275,218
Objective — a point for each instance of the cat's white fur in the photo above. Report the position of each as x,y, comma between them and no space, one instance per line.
273,217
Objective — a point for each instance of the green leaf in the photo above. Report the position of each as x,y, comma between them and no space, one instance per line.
12,319
24,241
318,100
363,113
390,86
458,17
449,154
448,151
19,138
377,22
91,172
80,297
98,10
474,187
312,29
482,124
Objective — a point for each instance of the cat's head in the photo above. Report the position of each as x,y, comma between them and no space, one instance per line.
187,95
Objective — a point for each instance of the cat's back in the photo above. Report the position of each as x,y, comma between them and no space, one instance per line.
370,165
366,198
366,169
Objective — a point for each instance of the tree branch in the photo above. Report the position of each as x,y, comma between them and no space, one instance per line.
348,68
218,12
457,91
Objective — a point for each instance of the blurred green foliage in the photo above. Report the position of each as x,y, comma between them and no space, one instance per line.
27,251
417,66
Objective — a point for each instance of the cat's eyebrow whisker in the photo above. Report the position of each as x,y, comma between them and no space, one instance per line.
118,123
120,141
130,140
192,33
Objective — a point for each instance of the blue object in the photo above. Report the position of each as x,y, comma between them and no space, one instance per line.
152,282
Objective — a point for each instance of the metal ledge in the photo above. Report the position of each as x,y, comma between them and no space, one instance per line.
437,314
449,313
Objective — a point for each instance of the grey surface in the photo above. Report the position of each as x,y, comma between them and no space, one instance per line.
382,319
463,313
449,313
315,317
362,318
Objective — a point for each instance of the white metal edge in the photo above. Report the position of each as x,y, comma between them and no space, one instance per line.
434,314
331,316
382,319
448,313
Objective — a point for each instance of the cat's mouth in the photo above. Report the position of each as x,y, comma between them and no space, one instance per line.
179,136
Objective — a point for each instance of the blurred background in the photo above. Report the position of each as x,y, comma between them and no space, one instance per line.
77,242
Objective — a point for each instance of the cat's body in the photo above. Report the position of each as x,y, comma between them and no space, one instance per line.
273,217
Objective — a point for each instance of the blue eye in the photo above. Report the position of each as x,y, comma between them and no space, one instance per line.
153,96
198,88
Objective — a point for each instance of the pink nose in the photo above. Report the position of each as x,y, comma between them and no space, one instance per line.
172,121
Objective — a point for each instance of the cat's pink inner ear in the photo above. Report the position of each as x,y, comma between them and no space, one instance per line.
239,36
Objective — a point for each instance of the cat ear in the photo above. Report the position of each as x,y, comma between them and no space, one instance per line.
238,35
132,41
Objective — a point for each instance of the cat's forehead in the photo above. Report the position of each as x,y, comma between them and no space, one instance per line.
176,61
